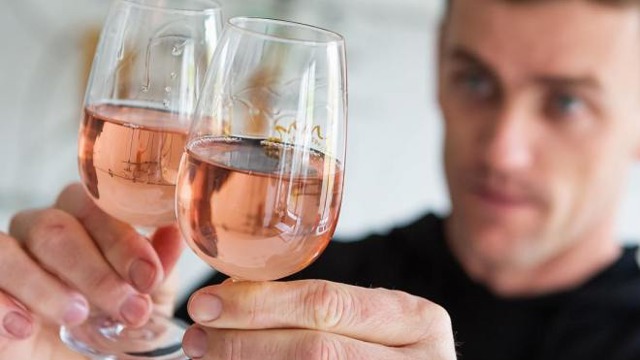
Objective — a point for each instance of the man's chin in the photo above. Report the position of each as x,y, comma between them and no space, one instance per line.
497,245
494,231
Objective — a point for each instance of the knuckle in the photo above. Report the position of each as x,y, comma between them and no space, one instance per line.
7,242
69,191
328,305
121,247
442,321
48,231
69,188
317,346
20,221
437,318
8,245
232,345
16,220
74,199
106,290
255,310
105,282
129,239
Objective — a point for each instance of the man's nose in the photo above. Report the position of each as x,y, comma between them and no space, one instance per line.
508,141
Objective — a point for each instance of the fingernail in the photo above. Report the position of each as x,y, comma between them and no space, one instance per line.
194,343
76,312
134,309
142,273
205,307
17,325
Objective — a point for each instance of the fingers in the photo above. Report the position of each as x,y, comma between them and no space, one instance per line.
209,344
15,322
103,258
168,244
130,254
320,305
36,289
64,250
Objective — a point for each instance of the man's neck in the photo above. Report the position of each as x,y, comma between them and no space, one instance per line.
564,271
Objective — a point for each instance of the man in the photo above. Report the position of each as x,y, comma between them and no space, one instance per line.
540,100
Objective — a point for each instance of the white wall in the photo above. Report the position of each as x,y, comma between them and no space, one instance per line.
393,159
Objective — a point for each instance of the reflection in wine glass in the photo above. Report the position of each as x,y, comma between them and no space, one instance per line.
129,165
260,186
144,84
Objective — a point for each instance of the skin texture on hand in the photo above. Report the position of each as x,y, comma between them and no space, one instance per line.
315,319
56,261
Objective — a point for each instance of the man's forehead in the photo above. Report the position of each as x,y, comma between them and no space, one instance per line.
624,6
556,36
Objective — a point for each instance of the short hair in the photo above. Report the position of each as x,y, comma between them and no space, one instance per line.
447,3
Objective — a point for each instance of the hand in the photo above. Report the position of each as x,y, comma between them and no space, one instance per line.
315,320
55,262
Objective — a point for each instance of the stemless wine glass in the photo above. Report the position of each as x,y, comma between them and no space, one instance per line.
147,73
260,184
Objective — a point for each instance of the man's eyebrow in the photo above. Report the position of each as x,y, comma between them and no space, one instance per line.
563,81
463,55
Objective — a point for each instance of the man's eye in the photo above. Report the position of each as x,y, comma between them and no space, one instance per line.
476,84
565,104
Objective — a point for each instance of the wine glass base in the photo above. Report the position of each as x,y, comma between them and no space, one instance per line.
102,338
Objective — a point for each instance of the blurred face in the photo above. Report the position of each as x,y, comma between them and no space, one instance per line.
541,107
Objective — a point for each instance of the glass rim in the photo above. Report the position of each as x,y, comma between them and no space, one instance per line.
213,6
331,37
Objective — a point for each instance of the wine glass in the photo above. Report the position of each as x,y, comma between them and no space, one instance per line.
147,73
260,184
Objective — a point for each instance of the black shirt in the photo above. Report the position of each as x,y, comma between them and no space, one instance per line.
598,320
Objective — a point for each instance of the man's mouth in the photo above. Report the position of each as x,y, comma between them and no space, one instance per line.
500,198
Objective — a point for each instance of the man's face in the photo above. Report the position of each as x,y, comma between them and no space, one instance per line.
542,110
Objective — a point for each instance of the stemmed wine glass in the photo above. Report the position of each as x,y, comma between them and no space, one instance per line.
146,77
260,184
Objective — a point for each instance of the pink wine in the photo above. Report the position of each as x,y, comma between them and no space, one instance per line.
255,209
128,159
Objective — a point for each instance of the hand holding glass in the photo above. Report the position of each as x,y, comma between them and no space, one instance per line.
145,80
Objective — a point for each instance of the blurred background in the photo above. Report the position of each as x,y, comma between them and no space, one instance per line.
394,170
